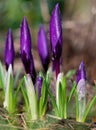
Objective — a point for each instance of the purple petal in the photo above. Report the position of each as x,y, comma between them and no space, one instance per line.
56,32
9,49
38,85
81,89
43,47
25,48
25,39
81,74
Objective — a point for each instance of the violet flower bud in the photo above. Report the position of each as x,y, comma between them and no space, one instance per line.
56,33
43,48
38,85
9,49
81,81
56,37
25,49
81,74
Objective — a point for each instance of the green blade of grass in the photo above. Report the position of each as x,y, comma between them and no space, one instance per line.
44,95
88,108
17,91
64,97
53,102
60,98
2,78
72,91
70,73
42,98
25,96
8,103
31,97
77,106
16,77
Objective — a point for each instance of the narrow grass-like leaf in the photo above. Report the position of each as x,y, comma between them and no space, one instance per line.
43,98
44,94
17,91
25,96
60,98
88,108
77,106
16,78
59,79
31,97
8,103
72,91
53,102
2,78
64,96
70,73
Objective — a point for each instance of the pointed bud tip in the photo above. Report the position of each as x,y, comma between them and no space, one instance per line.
82,65
10,30
38,85
57,6
25,49
81,73
56,32
43,47
9,49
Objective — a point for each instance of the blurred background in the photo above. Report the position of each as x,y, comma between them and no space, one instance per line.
78,23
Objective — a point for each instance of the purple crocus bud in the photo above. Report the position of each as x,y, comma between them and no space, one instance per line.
81,74
43,48
56,37
38,85
25,49
81,81
9,49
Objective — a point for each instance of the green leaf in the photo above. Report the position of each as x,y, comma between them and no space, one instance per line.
17,91
64,97
70,73
25,96
2,78
43,100
31,97
77,106
61,97
44,94
61,104
88,108
53,102
8,103
72,91
16,78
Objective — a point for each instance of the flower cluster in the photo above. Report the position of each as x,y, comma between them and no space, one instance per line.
35,87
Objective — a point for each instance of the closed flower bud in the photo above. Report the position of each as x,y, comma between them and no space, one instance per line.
81,74
38,85
43,48
56,38
56,33
25,48
81,81
9,49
